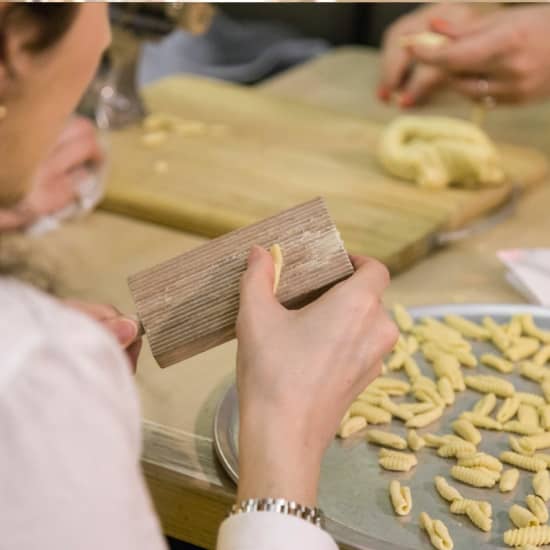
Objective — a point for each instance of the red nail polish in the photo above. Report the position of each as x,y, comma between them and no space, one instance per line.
439,24
383,93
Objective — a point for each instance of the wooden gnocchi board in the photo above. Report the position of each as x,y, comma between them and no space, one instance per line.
268,153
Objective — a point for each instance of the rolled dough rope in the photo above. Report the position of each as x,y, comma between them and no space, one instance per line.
277,256
436,151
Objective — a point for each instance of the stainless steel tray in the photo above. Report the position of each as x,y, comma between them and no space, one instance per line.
353,490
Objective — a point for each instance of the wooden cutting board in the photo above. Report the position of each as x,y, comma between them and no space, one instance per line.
265,153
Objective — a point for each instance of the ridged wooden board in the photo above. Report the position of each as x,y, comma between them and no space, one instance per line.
274,153
189,303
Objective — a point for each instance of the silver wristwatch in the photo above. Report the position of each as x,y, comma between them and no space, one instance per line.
281,506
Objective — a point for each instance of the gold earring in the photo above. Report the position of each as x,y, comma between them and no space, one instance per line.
3,112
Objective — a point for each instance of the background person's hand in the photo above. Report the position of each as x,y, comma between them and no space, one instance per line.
124,329
298,371
504,55
76,152
399,74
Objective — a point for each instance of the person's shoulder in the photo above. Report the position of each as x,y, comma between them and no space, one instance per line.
35,328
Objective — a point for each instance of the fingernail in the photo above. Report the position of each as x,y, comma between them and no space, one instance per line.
383,93
125,330
255,254
439,24
406,100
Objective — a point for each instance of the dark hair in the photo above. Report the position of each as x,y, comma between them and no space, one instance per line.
50,20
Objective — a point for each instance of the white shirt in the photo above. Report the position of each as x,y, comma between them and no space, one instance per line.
70,477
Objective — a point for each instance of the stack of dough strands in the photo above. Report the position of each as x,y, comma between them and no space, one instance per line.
189,304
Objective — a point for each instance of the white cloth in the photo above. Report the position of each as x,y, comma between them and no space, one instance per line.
70,477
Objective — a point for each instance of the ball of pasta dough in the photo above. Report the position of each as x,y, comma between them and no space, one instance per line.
437,151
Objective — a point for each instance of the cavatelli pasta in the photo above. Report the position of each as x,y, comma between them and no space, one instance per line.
530,398
446,491
417,408
456,449
386,439
542,356
529,463
351,426
480,421
534,372
537,535
508,409
485,405
527,414
522,517
515,426
473,476
531,329
537,507
396,360
478,518
424,419
544,414
391,386
497,335
545,387
437,532
536,442
465,429
490,384
508,480
458,506
411,368
541,485
415,441
467,328
396,461
395,409
371,413
522,348
402,318
519,446
446,391
481,460
401,498
497,363
448,366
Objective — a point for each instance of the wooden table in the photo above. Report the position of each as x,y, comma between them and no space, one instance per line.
93,257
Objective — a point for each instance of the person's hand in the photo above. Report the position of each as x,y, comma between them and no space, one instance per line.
503,55
298,371
75,153
124,329
413,82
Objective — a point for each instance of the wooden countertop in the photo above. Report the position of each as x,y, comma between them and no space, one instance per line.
92,258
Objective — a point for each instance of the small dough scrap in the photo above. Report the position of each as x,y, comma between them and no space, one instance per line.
277,255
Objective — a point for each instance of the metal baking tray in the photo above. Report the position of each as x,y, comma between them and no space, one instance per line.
353,490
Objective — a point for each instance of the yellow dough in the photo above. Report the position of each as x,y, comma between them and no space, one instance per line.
437,151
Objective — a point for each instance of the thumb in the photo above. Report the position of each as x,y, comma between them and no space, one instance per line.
257,280
124,329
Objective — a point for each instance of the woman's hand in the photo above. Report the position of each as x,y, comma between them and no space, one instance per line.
504,55
414,82
124,329
76,151
298,371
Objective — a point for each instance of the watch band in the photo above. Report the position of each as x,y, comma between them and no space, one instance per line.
281,506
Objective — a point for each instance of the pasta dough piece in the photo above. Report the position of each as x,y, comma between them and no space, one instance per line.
396,461
277,256
401,498
397,360
424,419
417,408
391,386
437,532
446,491
508,409
490,384
541,485
485,405
429,394
445,389
465,429
544,457
529,463
499,338
371,413
522,517
545,387
544,413
508,480
456,449
520,446
537,535
478,518
473,476
498,363
538,507
387,439
414,441
522,348
351,426
515,327
435,151
479,421
481,460
517,427
402,318
426,39
542,356
467,328
534,372
410,366
446,365
531,329
530,398
394,409
459,506
527,414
